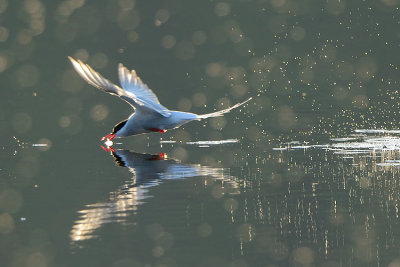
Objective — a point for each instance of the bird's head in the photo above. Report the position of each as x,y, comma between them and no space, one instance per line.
115,131
118,127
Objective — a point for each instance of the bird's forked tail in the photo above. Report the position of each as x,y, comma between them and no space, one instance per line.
221,112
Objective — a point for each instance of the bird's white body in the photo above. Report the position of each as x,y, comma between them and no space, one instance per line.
150,115
139,123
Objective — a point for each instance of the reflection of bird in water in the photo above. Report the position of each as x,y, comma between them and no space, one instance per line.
150,115
148,171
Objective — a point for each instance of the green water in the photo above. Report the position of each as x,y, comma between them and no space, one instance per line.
317,70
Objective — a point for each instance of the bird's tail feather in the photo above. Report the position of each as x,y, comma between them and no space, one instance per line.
221,112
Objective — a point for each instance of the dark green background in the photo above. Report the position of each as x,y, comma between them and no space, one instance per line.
315,70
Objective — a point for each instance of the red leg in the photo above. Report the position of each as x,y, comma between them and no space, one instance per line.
157,130
159,156
108,149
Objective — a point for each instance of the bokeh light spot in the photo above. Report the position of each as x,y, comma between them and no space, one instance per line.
27,75
22,122
168,41
99,112
184,104
303,256
298,33
161,17
6,223
222,9
199,37
3,34
204,230
10,200
185,50
199,99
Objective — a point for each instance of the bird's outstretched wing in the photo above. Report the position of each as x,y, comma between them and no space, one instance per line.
95,79
132,83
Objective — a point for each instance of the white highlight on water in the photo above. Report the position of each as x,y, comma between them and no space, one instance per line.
203,143
210,143
108,142
363,143
40,145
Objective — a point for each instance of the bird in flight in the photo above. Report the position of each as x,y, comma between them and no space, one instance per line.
149,116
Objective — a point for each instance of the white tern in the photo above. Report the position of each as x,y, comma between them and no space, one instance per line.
150,115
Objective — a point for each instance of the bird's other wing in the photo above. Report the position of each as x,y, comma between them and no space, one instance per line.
130,82
95,79
221,112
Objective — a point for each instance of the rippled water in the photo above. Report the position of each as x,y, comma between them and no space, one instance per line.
305,174
148,171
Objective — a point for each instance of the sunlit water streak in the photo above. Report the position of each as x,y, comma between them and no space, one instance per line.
343,194
22,144
148,171
206,143
382,145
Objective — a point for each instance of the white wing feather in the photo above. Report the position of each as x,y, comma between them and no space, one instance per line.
142,103
132,83
95,79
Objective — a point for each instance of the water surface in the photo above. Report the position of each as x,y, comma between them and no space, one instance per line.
306,174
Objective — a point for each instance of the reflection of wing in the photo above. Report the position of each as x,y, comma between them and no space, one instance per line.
95,215
148,171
